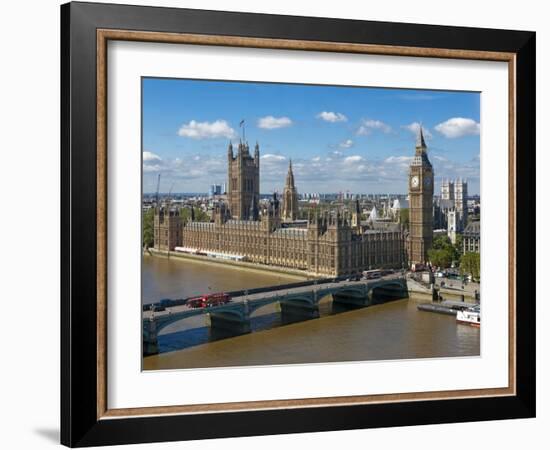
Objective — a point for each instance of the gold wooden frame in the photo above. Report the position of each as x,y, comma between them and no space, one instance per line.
103,36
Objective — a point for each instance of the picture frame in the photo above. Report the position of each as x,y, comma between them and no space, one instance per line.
86,418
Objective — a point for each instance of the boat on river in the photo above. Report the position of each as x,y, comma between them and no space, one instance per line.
469,316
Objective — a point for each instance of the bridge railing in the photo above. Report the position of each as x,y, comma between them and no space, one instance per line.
241,292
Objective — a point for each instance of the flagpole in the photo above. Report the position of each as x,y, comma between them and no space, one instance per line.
241,124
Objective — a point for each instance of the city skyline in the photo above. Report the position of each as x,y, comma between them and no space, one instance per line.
340,139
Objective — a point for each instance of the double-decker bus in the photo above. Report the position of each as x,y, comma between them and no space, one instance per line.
206,301
372,274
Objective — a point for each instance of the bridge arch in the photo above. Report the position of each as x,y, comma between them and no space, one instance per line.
258,310
389,290
300,299
166,321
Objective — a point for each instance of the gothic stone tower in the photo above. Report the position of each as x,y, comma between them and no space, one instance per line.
421,190
461,203
243,183
167,228
290,197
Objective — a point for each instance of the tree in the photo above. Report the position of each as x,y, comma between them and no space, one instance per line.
458,246
440,257
148,224
470,264
443,252
200,215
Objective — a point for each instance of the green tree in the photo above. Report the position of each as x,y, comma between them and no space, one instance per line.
470,264
148,223
458,248
443,252
440,257
200,215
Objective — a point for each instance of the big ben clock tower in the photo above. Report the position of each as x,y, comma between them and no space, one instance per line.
421,191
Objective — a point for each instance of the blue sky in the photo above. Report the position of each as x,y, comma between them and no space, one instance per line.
355,139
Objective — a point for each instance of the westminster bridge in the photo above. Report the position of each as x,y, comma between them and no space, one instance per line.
296,300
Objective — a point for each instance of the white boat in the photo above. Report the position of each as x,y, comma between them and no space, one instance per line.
469,316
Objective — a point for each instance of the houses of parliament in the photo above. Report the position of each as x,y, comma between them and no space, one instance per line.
328,243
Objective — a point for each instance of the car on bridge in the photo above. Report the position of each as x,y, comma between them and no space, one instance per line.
209,300
354,277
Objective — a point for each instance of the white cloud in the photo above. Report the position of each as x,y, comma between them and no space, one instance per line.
271,157
207,130
152,162
414,128
271,123
152,167
331,172
457,127
348,143
150,157
329,116
369,125
398,159
353,159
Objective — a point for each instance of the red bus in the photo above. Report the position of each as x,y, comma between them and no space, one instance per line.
206,301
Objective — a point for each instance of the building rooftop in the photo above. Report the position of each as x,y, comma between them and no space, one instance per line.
472,229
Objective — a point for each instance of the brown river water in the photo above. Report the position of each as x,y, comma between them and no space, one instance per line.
394,330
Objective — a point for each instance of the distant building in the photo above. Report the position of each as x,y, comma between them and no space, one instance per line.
454,196
461,202
452,225
471,238
448,190
215,189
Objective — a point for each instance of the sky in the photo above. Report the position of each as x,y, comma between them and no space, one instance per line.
355,139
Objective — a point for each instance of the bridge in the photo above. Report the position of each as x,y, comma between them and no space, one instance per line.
299,302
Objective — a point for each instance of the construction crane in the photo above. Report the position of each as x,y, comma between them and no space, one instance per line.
170,192
158,187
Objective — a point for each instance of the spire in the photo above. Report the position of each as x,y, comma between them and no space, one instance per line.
420,142
257,153
230,150
253,212
290,175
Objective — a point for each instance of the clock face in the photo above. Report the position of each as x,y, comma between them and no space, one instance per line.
414,181
427,181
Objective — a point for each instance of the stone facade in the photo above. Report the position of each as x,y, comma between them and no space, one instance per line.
471,238
421,191
333,243
290,197
454,193
243,182
167,228
327,245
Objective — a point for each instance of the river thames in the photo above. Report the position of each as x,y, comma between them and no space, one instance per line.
394,330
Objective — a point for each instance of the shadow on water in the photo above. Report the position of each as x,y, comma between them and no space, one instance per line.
180,340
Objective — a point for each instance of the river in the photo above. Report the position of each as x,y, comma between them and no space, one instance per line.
394,330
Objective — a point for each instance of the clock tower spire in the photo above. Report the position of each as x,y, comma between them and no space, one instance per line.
421,191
